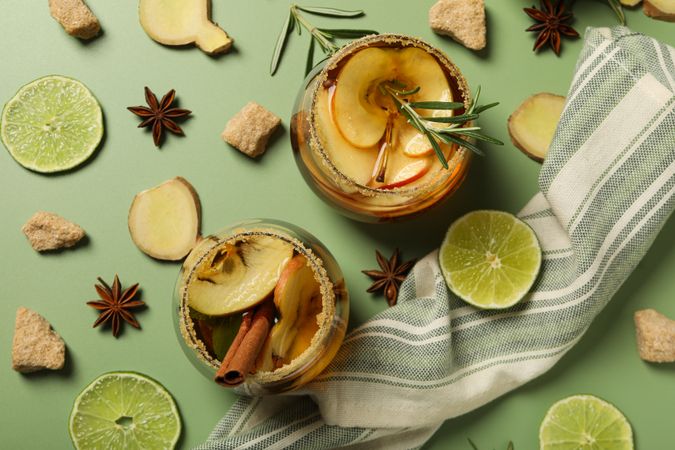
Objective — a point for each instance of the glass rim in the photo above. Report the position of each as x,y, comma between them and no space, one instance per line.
331,63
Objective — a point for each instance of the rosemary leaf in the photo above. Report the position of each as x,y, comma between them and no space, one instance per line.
409,91
452,119
480,109
281,42
473,446
436,147
330,12
437,105
310,58
464,143
347,34
479,136
510,446
618,10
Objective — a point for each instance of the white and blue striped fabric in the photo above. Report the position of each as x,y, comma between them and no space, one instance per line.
607,188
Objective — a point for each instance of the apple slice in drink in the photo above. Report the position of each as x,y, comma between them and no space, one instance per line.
294,296
238,276
413,143
358,117
408,174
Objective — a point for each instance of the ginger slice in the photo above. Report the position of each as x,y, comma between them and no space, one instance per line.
629,2
183,22
660,9
164,220
75,17
533,124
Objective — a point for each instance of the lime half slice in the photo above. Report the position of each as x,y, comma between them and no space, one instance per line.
52,124
490,259
124,410
584,422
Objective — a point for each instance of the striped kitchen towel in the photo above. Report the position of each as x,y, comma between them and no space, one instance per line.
607,188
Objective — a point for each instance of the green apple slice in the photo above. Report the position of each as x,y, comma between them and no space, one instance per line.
360,120
238,276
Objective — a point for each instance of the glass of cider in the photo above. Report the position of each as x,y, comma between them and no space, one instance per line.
231,276
356,150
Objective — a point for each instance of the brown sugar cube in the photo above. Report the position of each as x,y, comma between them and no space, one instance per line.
75,17
36,346
49,231
462,20
250,129
655,336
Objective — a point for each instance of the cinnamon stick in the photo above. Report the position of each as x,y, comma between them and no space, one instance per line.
248,342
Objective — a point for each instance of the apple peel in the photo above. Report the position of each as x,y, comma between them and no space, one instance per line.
183,22
164,220
533,123
660,9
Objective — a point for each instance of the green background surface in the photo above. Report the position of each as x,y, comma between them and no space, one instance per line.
34,409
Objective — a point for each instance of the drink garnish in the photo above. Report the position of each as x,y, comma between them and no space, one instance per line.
114,305
324,37
448,129
390,276
243,352
160,115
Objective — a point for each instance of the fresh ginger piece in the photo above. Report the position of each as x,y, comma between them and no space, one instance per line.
660,9
164,220
75,17
533,124
183,22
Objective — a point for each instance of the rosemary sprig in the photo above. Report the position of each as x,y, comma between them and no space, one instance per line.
454,132
618,10
324,37
474,447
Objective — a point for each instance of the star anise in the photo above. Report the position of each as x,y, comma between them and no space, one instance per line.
391,276
114,305
552,18
160,115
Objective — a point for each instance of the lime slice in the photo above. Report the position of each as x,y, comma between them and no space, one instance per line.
52,124
490,259
584,422
124,410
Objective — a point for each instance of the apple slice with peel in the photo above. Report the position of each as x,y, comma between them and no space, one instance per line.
358,117
238,276
409,173
660,9
413,143
415,67
293,297
360,111
182,22
164,220
533,124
